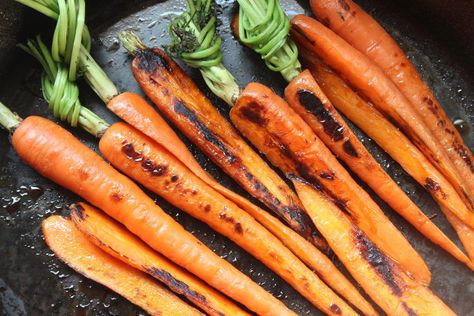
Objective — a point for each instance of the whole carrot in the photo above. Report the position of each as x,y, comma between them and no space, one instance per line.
290,144
363,32
373,83
394,291
120,243
57,155
306,97
72,247
393,141
159,171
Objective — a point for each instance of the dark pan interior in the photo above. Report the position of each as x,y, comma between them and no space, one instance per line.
436,34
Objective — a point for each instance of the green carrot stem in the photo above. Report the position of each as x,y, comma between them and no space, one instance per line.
8,119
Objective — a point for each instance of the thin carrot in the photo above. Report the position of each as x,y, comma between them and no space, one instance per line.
179,99
384,94
159,171
57,155
306,97
363,32
394,291
290,144
72,247
390,139
118,242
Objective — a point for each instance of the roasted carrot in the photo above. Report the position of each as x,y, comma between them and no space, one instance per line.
394,291
72,247
118,242
159,171
390,139
363,32
290,144
371,81
179,99
305,96
57,155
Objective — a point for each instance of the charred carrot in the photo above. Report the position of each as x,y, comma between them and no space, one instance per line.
394,291
179,99
384,94
390,139
159,171
51,151
363,32
305,97
118,242
72,247
290,144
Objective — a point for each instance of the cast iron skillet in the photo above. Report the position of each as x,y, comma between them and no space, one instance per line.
436,34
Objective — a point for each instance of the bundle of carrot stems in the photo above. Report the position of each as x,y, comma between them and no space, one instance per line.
304,137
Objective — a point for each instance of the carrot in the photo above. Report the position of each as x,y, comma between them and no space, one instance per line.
364,33
118,242
383,93
308,100
179,99
72,247
159,171
394,291
390,139
290,144
57,155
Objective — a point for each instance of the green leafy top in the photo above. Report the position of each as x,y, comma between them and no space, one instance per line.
264,26
194,39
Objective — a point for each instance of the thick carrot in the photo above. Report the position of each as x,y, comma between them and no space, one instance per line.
290,144
392,140
118,242
370,80
394,291
72,247
363,32
179,99
159,171
308,100
57,155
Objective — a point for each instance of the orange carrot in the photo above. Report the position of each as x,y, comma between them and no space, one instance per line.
118,242
394,291
290,144
306,98
390,139
159,171
374,84
57,155
364,33
180,100
72,247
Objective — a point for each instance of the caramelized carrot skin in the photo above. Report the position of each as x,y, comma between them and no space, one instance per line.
57,155
180,100
290,144
155,168
72,247
118,242
395,292
394,142
363,32
374,84
306,97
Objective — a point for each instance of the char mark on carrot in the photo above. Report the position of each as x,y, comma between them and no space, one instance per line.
314,105
349,149
150,61
377,260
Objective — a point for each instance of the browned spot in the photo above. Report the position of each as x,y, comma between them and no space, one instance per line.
238,228
193,192
349,149
79,211
327,175
343,5
174,178
129,150
431,185
225,218
83,174
154,169
165,91
207,208
116,197
335,309
298,31
254,112
409,311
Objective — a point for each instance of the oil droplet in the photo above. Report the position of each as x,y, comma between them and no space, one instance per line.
461,125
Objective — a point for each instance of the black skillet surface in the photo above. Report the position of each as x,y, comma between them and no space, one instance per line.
34,282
